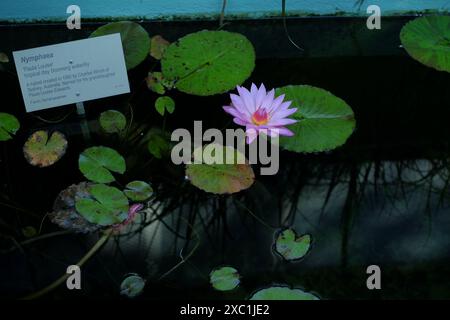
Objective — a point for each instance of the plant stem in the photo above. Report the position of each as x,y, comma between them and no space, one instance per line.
64,277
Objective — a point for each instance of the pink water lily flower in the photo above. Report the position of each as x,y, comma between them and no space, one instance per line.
260,111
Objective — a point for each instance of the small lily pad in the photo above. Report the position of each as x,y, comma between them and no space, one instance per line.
427,39
282,293
113,121
43,150
138,191
135,40
3,58
158,46
220,178
107,205
164,103
209,62
29,232
290,246
132,286
154,82
325,121
224,278
96,164
9,125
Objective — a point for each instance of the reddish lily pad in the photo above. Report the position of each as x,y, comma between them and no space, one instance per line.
158,46
43,150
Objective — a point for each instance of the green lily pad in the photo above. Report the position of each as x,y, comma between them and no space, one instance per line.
427,39
224,278
209,62
3,58
96,164
107,205
282,293
154,82
9,125
112,121
138,191
43,150
132,286
223,177
165,103
158,143
290,246
135,40
325,121
158,47
29,232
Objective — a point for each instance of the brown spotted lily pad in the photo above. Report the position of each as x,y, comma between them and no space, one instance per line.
158,46
43,149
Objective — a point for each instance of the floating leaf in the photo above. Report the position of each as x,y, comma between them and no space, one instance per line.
107,205
9,125
427,39
112,121
224,278
64,213
96,163
158,46
132,286
42,150
164,103
290,246
282,293
222,176
135,40
158,143
209,62
154,82
138,191
3,58
325,121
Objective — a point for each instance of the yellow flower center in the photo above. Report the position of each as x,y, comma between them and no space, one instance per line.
260,117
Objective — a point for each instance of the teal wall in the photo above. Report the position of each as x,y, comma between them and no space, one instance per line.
33,10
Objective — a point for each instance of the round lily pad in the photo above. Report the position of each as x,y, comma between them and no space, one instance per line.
43,150
221,178
224,278
112,121
209,62
290,246
282,293
165,103
106,205
325,121
135,40
132,286
138,191
9,125
427,39
96,164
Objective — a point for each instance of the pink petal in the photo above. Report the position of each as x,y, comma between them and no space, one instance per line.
276,103
260,95
251,134
254,90
285,132
247,98
283,114
238,103
268,100
240,121
284,105
281,122
233,111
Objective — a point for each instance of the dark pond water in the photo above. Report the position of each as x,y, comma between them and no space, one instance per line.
380,199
